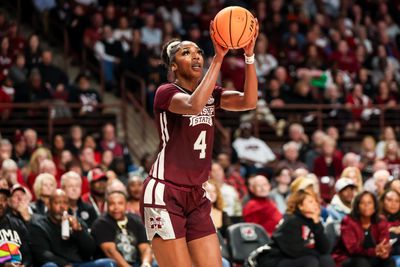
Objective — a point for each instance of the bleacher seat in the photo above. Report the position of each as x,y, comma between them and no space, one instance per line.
243,238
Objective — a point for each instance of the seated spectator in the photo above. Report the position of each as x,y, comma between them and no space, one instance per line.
364,238
340,205
300,239
110,142
344,58
109,52
265,62
10,172
6,54
376,184
297,134
19,203
75,143
37,92
44,186
232,174
48,246
389,204
5,149
121,236
253,152
93,33
46,166
392,158
368,155
315,148
351,159
51,75
281,191
387,135
260,208
96,197
71,183
301,95
219,216
20,153
151,35
135,189
14,233
231,198
358,103
328,167
32,141
88,97
33,52
87,160
106,161
290,159
354,174
146,162
123,33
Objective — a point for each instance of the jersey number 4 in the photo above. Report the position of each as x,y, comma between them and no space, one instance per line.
201,144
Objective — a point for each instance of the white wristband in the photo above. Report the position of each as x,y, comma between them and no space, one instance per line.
249,60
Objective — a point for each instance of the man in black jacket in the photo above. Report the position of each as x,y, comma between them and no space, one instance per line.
48,247
14,243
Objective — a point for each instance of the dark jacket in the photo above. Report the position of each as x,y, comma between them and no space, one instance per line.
352,239
14,232
297,236
85,212
48,246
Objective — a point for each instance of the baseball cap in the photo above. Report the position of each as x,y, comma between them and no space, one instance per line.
342,183
95,175
17,187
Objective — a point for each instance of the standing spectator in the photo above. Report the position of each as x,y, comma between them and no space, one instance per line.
121,236
260,208
253,153
280,193
14,234
109,141
340,205
71,183
44,186
364,239
300,239
135,189
97,194
48,247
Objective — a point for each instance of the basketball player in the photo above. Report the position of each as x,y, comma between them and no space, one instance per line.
174,206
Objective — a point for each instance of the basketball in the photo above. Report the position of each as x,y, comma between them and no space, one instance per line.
234,27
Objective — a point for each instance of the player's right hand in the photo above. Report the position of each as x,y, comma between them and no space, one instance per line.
220,51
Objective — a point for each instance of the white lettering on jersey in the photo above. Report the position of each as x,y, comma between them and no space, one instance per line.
205,117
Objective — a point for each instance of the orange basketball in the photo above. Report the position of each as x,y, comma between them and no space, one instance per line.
234,27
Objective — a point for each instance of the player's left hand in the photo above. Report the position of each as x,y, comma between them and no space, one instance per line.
249,49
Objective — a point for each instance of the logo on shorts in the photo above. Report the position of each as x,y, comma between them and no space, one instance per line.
156,222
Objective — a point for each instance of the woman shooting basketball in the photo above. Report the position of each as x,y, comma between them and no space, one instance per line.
174,206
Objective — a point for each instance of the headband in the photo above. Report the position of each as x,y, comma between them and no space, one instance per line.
169,47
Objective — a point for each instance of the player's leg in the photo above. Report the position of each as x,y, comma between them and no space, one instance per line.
171,252
205,251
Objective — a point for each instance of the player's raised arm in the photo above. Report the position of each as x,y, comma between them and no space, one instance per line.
238,101
187,64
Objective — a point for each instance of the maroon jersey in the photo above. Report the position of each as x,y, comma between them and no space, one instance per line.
186,140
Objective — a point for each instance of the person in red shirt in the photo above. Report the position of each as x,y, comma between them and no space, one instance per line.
364,238
260,208
174,206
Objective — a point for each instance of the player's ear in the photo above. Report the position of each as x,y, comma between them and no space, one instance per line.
174,67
